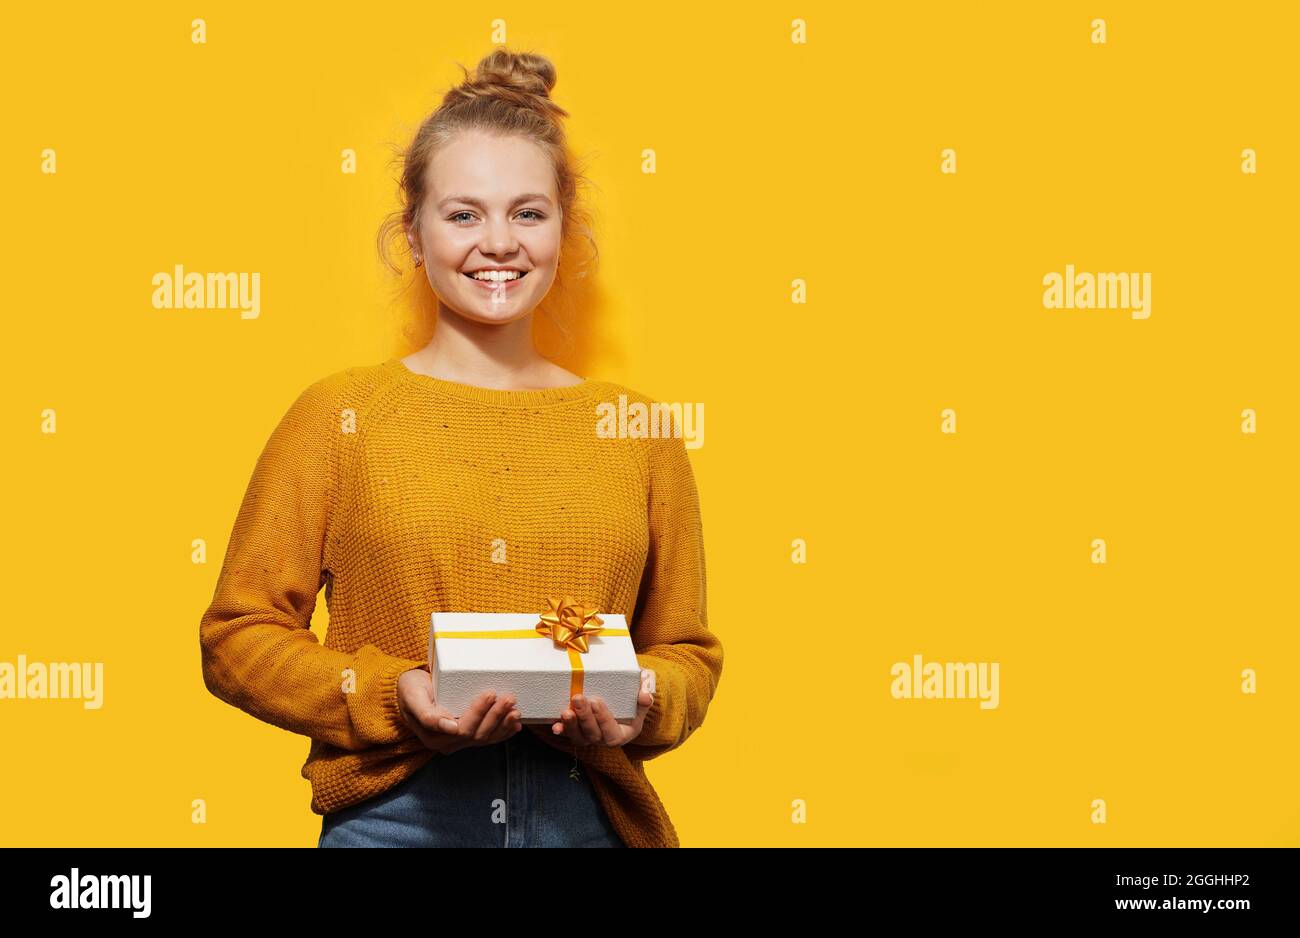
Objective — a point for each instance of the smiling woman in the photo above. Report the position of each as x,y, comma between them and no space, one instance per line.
475,248
489,183
468,476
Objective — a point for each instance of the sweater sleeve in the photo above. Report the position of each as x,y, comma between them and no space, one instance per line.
258,651
670,625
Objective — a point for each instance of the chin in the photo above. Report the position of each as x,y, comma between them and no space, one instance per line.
483,313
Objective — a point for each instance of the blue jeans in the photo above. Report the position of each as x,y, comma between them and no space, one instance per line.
518,793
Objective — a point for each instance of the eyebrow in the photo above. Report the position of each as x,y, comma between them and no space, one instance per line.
470,200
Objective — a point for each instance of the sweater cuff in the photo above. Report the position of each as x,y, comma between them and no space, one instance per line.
373,705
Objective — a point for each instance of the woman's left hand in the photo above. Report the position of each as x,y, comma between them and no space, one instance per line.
589,722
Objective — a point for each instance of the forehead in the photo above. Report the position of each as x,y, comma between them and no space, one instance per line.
492,168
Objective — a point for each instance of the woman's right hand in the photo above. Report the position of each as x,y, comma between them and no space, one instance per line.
487,721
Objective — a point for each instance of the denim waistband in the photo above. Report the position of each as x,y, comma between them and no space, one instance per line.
517,793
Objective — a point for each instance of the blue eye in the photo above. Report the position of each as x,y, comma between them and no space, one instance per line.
537,215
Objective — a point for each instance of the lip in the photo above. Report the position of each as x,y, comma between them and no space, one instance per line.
496,284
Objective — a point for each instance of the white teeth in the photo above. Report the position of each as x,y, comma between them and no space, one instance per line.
496,275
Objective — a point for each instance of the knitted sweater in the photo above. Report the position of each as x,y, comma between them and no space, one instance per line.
403,494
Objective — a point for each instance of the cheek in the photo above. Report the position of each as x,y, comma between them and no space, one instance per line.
543,248
450,249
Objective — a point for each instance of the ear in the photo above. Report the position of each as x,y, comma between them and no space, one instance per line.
417,255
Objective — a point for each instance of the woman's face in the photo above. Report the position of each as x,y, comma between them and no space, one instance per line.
489,202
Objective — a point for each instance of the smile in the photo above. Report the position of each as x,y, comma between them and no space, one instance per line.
497,279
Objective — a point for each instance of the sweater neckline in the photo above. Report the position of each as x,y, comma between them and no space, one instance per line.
500,397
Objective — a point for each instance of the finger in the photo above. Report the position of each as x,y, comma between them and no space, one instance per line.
569,727
610,730
645,700
587,725
423,708
474,713
494,718
511,725
437,740
439,719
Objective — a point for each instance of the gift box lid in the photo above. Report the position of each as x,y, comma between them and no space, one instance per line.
510,642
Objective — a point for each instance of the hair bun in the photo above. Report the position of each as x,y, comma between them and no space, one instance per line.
519,79
516,71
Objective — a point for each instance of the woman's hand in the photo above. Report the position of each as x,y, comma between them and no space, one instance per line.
591,722
487,721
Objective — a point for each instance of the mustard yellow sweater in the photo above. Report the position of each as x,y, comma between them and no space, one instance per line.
403,494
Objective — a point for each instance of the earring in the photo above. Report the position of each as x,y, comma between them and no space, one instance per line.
419,261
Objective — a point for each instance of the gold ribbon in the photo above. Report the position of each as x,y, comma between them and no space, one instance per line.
567,623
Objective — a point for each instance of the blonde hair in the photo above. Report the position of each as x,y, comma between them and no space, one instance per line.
508,95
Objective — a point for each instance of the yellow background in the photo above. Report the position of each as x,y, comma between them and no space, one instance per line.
776,161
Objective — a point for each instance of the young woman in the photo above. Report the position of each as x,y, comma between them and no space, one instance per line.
468,476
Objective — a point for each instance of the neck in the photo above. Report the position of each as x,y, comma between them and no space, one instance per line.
480,353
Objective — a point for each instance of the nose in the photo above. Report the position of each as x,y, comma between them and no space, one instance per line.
499,239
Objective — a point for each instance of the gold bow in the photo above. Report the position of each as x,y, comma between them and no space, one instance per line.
569,623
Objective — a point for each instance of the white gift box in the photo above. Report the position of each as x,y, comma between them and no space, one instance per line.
535,670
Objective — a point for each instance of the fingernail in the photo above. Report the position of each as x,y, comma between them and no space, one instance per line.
447,725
